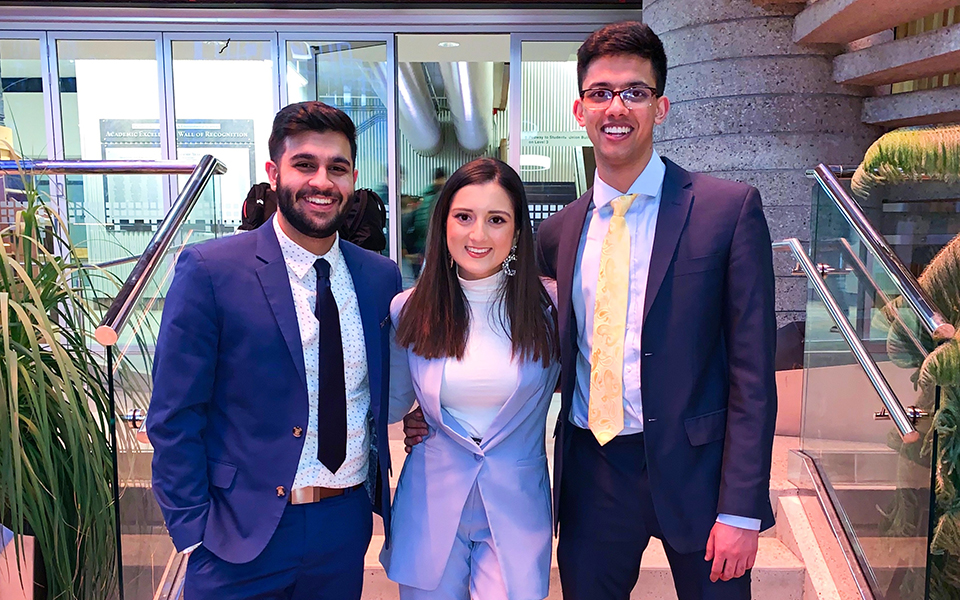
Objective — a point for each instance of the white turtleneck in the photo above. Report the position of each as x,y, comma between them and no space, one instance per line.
473,389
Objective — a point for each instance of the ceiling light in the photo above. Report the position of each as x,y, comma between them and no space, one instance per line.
534,162
449,44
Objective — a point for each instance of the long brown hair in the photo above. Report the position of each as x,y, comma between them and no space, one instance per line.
435,321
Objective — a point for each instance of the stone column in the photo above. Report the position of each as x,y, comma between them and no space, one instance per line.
749,104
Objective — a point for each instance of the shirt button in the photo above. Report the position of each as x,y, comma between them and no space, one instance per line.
479,457
297,431
281,491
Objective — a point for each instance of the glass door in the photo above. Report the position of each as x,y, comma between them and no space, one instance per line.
550,150
225,95
353,74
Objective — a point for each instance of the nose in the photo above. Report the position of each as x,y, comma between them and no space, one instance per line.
478,232
320,181
617,107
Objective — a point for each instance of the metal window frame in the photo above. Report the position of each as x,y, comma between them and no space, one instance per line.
514,96
280,26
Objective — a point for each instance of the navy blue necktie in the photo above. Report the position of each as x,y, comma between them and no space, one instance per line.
332,393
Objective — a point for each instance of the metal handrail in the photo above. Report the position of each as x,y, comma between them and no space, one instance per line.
935,324
108,332
100,167
864,272
908,432
838,170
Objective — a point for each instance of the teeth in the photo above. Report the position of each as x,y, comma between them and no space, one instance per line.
616,130
477,250
320,201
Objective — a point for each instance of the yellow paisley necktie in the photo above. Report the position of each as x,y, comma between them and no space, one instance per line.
609,327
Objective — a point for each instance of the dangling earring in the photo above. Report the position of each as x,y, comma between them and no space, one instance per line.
507,268
450,256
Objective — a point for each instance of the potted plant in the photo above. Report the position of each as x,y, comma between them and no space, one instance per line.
56,421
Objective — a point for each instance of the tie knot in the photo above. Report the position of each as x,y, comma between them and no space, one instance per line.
322,267
622,204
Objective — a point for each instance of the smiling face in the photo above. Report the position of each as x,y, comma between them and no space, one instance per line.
622,137
313,178
481,226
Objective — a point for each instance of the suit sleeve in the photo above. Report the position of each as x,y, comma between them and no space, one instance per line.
750,332
183,376
547,247
402,394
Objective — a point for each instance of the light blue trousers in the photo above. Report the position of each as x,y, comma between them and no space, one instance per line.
473,569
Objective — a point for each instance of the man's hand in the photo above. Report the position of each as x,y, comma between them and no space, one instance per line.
415,429
733,551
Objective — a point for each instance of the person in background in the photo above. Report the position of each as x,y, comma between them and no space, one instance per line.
476,344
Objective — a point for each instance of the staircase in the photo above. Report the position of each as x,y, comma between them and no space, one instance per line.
873,58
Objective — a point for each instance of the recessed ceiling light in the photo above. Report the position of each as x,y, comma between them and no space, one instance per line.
449,44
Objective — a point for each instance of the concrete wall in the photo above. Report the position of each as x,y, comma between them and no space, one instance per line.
749,104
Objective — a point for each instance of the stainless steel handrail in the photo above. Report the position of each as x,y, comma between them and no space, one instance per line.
908,432
108,332
101,167
838,170
906,283
854,259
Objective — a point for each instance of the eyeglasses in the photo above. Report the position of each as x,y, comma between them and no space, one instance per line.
632,97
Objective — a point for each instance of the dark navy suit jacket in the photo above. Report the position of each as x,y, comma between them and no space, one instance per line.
229,389
707,349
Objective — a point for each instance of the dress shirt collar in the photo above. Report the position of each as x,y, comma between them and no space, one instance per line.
299,259
647,184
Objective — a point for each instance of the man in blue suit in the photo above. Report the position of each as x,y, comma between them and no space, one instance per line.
269,409
687,459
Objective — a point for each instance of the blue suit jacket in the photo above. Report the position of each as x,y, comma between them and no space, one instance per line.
707,347
229,389
509,467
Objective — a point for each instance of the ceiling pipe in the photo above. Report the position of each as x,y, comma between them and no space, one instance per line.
416,112
469,88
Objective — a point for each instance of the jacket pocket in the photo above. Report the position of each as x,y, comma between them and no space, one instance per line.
707,428
221,475
697,265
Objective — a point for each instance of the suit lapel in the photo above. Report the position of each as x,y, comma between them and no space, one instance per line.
276,286
430,376
512,406
675,201
369,318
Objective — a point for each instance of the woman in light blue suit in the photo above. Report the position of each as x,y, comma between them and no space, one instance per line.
475,343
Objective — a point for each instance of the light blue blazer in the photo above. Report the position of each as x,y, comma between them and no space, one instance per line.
509,467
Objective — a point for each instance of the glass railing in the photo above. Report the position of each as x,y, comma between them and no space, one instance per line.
129,330
130,264
873,454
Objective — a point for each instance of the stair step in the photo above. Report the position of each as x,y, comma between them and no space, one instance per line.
778,574
931,53
843,21
927,107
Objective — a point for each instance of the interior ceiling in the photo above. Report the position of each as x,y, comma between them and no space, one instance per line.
472,48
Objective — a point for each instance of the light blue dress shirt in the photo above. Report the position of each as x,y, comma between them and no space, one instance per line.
641,221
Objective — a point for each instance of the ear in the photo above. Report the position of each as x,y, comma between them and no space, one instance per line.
578,112
355,174
663,107
272,171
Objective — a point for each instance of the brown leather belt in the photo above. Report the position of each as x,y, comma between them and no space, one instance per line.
308,495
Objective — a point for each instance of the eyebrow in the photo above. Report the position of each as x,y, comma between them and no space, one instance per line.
608,85
338,159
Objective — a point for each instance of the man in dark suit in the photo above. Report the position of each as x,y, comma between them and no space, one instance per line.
269,409
667,336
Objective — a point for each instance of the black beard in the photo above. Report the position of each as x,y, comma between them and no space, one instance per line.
287,205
